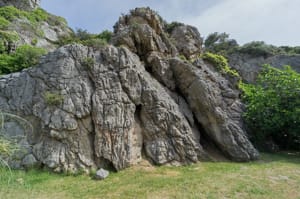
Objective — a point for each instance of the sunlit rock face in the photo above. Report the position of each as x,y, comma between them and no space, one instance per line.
133,99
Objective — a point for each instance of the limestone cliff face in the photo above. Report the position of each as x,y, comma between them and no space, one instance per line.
132,100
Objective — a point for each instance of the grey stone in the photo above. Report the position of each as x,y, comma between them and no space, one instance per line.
203,91
101,174
187,40
29,161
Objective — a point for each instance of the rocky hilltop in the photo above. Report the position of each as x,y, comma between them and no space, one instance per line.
24,22
133,99
28,5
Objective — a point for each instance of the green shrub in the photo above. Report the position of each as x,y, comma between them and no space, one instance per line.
53,98
220,43
290,50
171,26
10,12
220,62
106,35
273,107
24,57
94,43
88,39
3,23
27,56
260,48
7,64
9,36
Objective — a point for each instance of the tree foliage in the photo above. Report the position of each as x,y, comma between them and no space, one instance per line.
273,107
219,43
88,39
260,48
24,57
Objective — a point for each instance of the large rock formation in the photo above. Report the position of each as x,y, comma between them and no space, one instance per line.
118,104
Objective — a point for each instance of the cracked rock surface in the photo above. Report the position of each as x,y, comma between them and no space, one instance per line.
121,103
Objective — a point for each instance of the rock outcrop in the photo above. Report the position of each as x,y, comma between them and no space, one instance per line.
27,5
118,104
29,24
249,66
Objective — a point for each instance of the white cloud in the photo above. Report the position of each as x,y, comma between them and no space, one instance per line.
272,21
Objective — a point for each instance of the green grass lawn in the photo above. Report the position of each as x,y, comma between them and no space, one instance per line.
274,176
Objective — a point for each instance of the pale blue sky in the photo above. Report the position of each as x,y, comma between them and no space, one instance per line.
273,21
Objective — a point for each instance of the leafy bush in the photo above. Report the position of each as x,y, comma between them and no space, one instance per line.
273,107
8,36
260,48
24,57
171,26
27,56
3,23
106,35
88,39
94,43
220,62
10,13
290,50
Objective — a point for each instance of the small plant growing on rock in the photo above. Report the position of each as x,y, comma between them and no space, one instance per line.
182,57
88,62
53,98
220,62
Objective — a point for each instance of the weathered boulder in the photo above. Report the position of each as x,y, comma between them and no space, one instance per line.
216,106
114,106
110,111
101,174
187,40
